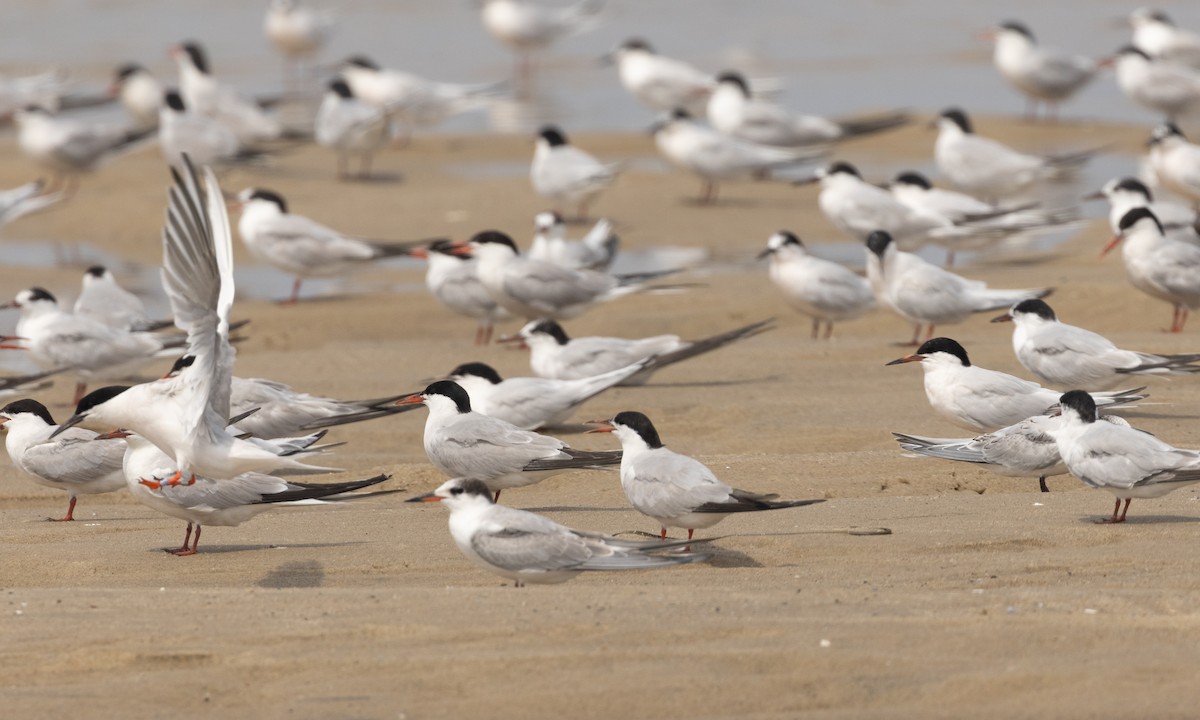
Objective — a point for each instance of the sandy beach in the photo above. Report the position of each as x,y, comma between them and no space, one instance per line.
987,598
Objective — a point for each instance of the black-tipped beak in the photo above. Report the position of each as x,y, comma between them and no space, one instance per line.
414,399
1098,195
427,497
906,359
765,253
810,180
75,420
606,426
1002,318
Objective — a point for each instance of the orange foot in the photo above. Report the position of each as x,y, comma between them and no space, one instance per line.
177,479
152,484
182,552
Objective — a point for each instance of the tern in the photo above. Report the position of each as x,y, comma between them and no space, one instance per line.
1155,32
453,279
1041,74
350,127
102,299
1175,161
70,461
859,208
566,175
1162,267
140,93
297,31
528,548
673,489
1164,87
661,83
1124,194
206,95
67,147
1124,461
204,139
459,440
824,290
980,399
594,251
527,25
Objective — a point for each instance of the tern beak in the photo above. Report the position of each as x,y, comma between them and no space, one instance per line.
808,180
1107,62
10,305
422,253
414,399
514,342
1111,244
4,419
113,435
606,426
906,359
75,420
608,58
1002,318
427,497
765,253
1098,195
10,338
461,249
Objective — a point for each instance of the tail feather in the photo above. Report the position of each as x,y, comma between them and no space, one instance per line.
577,459
871,124
313,491
699,347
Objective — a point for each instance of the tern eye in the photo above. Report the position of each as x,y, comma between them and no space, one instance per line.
456,491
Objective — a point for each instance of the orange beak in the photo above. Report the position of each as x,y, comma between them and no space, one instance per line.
906,359
1111,244
113,435
414,399
606,426
430,497
422,253
1002,318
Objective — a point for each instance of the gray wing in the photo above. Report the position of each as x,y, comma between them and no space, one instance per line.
1110,455
483,447
209,494
74,458
549,287
667,484
518,540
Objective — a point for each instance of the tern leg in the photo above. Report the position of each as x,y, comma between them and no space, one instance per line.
1183,316
295,297
70,516
177,479
816,331
929,335
496,497
366,166
184,550
664,533
949,259
80,391
1042,484
186,538
828,329
582,211
1115,518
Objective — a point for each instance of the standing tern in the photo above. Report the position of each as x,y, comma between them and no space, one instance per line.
534,402
1027,449
186,415
980,399
525,547
350,127
300,246
68,147
1164,87
70,462
528,25
859,208
217,502
1175,161
824,290
566,175
534,289
297,31
1155,32
140,93
554,355
734,110
1125,461
716,157
594,251
204,94
988,169
1159,266
1124,194
453,279
661,83
463,443
927,295
676,490
1071,357
1041,74
204,139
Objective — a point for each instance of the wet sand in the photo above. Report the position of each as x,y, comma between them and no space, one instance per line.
987,598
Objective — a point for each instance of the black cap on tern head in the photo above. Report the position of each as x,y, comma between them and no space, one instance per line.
38,293
362,61
553,329
270,196
96,271
471,487
842,167
1081,403
1134,185
944,345
680,114
1161,16
99,397
959,118
790,238
341,87
124,71
478,369
28,406
1164,131
640,424
174,100
197,55
452,390
449,248
1035,307
913,178
735,78
184,362
495,236
878,241
1136,215
637,44
1133,50
1017,27
553,136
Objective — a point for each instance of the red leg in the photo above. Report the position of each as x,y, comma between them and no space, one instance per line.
295,292
184,551
816,328
828,329
177,479
70,516
496,497
690,531
1183,316
929,335
186,539
664,533
1115,518
1125,509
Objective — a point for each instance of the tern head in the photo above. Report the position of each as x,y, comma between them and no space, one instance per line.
195,55
545,330
1123,186
173,100
1164,132
734,80
96,272
552,136
636,45
779,242
1028,310
29,407
494,242
361,62
124,73
1077,404
476,371
341,88
263,198
1015,28
956,117
1139,219
939,349
459,492
878,242
184,362
632,428
1131,51
105,406
1149,16
545,221
32,300
441,395
445,248
913,179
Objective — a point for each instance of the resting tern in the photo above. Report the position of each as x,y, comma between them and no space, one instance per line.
673,489
594,251
1155,32
300,246
988,169
1161,267
1127,462
534,289
86,347
463,443
204,139
1163,86
186,415
661,83
206,95
69,147
556,356
411,99
566,175
526,25
525,547
734,110
24,200
227,502
453,279
70,462
925,294
1175,161
715,156
140,93
980,399
102,299
1071,357
350,127
1041,74
1027,449
858,208
1124,194
534,402
824,290
24,384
